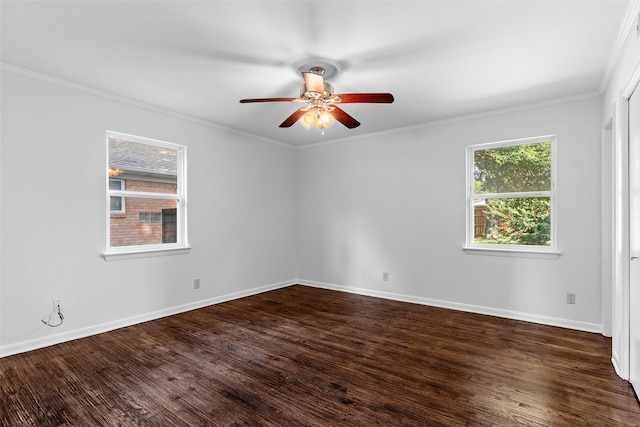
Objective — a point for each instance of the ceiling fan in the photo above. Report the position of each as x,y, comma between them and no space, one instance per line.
320,109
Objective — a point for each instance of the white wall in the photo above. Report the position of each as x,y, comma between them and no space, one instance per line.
395,202
261,214
241,210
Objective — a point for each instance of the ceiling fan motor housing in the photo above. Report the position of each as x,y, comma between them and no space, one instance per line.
328,91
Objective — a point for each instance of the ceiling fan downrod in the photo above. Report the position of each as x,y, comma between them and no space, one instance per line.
317,70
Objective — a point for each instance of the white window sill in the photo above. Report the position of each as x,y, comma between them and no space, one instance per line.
143,253
514,252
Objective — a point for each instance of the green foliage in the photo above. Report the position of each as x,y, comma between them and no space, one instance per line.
519,221
520,168
516,168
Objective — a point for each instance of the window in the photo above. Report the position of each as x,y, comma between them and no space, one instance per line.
148,177
150,217
116,202
511,195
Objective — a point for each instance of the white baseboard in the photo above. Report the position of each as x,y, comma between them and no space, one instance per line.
37,343
509,314
616,366
34,344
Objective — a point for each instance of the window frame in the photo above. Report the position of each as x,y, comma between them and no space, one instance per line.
180,196
539,251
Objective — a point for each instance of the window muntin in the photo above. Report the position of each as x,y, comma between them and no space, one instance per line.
511,195
153,188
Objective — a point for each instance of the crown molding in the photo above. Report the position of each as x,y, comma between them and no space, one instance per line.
34,75
469,117
625,30
149,107
632,85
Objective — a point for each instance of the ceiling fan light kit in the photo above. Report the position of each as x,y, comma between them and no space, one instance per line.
320,110
317,119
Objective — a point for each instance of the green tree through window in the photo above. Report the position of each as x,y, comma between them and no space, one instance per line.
512,193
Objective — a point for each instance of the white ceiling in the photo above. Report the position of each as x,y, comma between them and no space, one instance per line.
440,59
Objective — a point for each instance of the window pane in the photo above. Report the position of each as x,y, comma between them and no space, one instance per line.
115,184
116,204
513,221
519,168
131,230
145,167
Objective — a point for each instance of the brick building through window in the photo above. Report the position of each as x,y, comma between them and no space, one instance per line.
142,172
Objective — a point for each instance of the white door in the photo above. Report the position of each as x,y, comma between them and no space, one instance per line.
634,226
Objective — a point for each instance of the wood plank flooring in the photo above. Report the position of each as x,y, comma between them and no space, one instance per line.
301,356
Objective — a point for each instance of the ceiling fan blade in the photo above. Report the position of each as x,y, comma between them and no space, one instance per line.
344,118
382,98
293,118
244,101
313,82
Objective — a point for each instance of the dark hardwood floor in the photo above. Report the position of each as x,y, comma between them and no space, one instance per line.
302,356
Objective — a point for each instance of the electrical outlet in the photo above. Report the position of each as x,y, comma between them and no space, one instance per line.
196,283
571,298
57,302
385,276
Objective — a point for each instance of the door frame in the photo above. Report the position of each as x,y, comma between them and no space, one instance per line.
621,261
621,257
633,90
